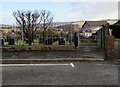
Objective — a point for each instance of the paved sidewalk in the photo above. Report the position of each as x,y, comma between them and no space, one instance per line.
117,49
53,54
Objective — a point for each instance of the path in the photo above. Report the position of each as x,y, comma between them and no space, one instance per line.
53,54
117,49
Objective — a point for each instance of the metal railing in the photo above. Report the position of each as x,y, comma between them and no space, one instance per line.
12,36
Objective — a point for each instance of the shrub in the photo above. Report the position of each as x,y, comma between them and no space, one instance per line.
115,30
51,33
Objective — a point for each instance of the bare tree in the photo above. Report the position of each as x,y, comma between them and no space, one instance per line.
28,22
47,19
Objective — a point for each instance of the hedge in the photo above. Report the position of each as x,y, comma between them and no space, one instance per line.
116,30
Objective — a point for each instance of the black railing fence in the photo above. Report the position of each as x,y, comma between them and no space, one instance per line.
13,36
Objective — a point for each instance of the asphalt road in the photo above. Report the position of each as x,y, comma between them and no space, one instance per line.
81,74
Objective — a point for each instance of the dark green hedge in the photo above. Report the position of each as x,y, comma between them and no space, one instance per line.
116,30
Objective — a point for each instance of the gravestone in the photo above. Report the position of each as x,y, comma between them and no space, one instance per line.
55,39
75,40
27,41
7,39
1,42
49,41
61,41
11,42
40,41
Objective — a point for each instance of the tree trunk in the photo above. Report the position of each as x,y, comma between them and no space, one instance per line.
30,41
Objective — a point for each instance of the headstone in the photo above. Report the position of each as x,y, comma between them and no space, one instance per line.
40,41
75,40
11,42
55,39
49,41
1,42
7,39
27,41
61,41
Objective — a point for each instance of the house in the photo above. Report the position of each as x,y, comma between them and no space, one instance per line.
90,27
118,22
78,25
111,22
8,28
116,29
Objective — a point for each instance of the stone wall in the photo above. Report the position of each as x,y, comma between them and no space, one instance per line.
36,48
110,51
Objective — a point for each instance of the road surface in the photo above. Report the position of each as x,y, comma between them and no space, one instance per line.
80,74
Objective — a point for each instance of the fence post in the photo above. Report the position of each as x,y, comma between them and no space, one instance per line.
108,42
1,39
99,38
71,32
105,30
78,37
110,52
22,36
102,38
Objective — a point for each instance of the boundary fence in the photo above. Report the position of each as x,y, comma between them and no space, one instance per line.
13,36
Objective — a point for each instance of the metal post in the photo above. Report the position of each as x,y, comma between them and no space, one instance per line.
22,37
47,35
1,37
78,37
110,32
71,32
8,27
52,37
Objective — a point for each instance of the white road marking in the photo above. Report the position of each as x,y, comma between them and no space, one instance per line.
72,64
3,65
107,65
99,64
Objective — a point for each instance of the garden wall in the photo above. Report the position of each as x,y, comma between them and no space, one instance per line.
37,48
110,51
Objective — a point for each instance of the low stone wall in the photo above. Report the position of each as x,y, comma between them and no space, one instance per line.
37,48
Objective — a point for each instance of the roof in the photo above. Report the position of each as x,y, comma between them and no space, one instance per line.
112,22
93,28
95,23
79,23
118,22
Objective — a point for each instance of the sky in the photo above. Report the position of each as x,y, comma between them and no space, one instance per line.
62,11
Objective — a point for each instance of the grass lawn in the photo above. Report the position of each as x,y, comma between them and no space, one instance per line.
36,42
66,43
117,39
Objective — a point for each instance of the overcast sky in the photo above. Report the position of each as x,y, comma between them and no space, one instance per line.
63,11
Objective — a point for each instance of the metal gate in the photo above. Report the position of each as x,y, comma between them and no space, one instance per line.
88,43
93,41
